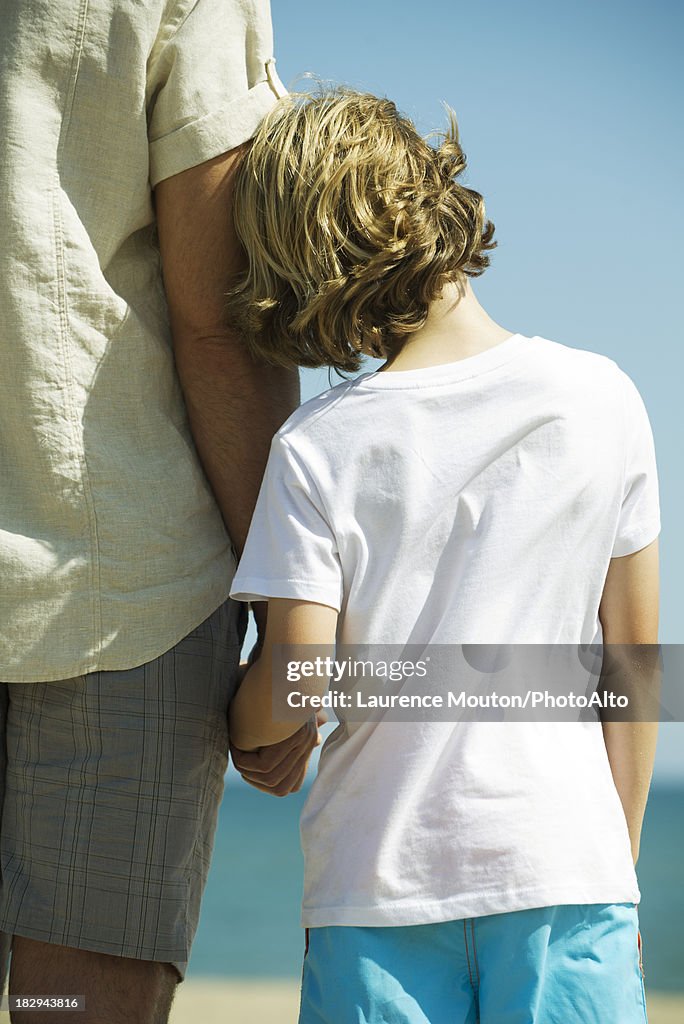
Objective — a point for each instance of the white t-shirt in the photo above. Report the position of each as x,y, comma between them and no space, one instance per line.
477,502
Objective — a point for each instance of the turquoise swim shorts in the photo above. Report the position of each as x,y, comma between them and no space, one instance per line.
566,964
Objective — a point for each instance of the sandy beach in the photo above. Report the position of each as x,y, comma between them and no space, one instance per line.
233,1001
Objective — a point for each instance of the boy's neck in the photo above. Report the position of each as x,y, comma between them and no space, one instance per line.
456,327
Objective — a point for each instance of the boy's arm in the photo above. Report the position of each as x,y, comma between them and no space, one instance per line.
290,622
629,616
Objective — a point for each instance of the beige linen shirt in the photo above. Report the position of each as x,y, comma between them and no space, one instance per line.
112,547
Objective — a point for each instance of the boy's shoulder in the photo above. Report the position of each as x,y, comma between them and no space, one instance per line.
556,353
319,414
577,375
587,374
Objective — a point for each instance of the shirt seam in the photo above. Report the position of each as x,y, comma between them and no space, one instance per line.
60,257
322,507
209,135
170,30
518,351
279,579
73,76
243,588
446,901
306,422
644,528
364,383
100,661
215,114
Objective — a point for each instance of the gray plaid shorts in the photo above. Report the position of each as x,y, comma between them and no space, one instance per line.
112,784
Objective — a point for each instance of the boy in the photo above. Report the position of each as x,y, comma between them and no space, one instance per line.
481,487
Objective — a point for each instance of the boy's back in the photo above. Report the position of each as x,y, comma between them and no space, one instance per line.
473,502
473,491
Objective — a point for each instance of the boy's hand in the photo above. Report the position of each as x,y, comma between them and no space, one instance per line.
280,769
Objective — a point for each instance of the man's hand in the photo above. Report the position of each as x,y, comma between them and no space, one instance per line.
280,769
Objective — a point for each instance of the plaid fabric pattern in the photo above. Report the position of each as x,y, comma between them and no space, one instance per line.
112,783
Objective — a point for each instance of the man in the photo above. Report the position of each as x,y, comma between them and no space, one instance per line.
122,127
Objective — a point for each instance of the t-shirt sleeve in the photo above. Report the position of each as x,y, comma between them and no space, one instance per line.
210,80
639,518
290,549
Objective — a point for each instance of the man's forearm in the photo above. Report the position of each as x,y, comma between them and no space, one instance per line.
235,405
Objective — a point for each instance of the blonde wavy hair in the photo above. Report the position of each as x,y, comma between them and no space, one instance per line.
352,224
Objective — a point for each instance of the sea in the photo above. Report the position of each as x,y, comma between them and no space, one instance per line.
249,925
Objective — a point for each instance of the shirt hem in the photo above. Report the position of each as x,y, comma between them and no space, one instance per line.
105,661
637,539
472,905
253,588
212,135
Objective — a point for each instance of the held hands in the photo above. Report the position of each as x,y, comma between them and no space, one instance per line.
280,769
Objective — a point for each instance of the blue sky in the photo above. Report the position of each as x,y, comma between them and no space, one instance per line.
570,117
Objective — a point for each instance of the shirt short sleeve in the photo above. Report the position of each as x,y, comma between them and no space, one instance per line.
210,80
639,518
290,549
